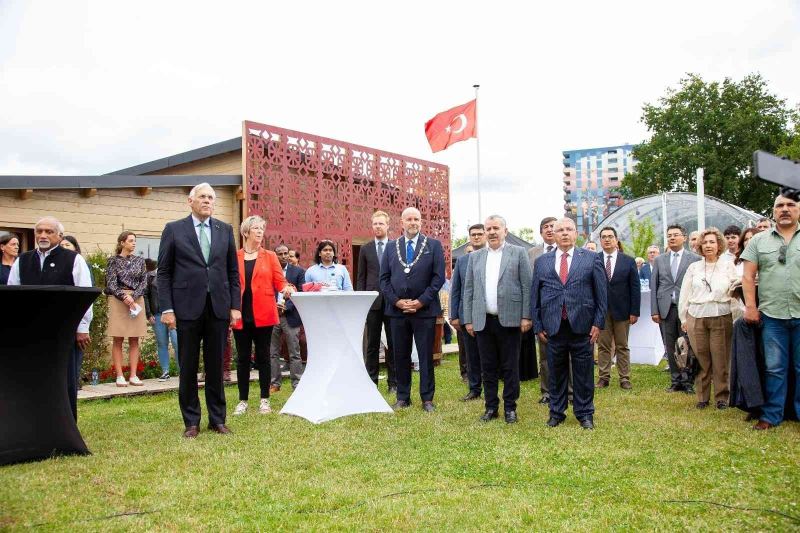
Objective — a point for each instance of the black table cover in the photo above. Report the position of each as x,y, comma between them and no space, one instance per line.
37,332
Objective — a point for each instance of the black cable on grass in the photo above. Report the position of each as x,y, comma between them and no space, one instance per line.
395,494
737,508
96,518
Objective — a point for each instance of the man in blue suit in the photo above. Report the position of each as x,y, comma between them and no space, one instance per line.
477,238
198,290
289,325
624,301
647,268
412,272
568,306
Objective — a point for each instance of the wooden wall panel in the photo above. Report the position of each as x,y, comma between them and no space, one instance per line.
97,221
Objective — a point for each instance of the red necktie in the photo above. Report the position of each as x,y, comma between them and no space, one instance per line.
562,272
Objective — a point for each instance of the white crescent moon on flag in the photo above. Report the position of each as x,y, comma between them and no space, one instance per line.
463,119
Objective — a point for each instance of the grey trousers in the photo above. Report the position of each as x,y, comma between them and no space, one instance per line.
292,336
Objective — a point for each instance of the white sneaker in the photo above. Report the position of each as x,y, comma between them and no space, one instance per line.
135,381
241,407
121,381
264,408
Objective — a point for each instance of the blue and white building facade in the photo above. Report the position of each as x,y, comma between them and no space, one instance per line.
592,177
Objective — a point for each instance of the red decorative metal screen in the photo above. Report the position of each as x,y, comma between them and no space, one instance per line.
309,188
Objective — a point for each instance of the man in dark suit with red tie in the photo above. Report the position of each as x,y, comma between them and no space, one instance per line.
624,300
411,275
369,273
198,289
568,306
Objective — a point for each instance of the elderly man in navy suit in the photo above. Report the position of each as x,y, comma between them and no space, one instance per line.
198,288
412,272
568,306
288,325
624,301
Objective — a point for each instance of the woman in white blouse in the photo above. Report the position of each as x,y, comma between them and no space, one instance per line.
705,313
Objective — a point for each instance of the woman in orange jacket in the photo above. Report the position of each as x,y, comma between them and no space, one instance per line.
261,278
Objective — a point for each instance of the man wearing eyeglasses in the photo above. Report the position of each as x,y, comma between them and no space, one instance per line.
774,255
665,289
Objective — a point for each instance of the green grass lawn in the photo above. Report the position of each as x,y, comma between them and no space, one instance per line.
441,471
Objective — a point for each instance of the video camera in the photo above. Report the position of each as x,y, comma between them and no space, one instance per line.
780,171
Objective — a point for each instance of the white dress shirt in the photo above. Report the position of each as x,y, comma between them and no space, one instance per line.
696,299
80,277
493,258
613,260
196,221
559,253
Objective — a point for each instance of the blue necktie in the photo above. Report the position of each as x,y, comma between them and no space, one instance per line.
380,253
409,251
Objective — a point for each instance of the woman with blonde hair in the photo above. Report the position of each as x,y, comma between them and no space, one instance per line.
705,313
260,278
126,283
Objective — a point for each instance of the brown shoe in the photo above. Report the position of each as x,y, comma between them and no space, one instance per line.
273,389
761,426
222,429
190,432
626,385
601,384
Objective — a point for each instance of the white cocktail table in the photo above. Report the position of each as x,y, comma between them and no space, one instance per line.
335,382
644,339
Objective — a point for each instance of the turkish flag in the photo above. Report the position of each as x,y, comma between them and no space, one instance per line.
452,126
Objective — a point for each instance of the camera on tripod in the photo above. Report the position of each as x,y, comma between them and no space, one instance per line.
780,171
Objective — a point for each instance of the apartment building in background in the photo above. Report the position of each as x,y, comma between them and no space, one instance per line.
592,177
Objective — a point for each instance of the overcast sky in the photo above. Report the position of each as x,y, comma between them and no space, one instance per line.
87,87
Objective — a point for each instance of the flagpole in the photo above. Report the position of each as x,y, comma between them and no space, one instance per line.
478,151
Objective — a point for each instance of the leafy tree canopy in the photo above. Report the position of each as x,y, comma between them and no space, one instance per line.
716,126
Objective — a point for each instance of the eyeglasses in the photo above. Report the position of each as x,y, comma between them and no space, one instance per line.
782,254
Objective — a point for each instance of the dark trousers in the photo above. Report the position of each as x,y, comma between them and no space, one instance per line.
670,331
245,337
563,348
213,333
473,361
499,353
463,367
74,378
375,321
406,330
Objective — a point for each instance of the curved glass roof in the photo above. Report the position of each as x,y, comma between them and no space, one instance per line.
681,209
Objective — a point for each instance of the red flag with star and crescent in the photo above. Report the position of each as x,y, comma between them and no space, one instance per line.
452,126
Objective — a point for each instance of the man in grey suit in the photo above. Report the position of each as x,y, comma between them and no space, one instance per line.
665,290
497,312
548,245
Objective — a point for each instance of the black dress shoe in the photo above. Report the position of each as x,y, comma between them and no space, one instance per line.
511,417
722,405
545,399
490,414
401,404
428,407
587,423
191,432
470,396
222,429
553,422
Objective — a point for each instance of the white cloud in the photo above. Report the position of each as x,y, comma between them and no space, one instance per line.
93,86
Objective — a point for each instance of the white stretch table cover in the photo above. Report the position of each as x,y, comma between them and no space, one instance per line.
644,339
335,382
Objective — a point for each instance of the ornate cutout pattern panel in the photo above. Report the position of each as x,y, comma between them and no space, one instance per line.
309,188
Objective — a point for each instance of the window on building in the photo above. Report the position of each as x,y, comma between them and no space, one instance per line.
613,169
147,247
612,159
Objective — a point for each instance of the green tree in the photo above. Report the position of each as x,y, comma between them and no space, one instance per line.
643,234
526,234
455,242
791,148
716,126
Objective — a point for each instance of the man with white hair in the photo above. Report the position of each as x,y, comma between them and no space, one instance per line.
50,264
412,273
198,288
